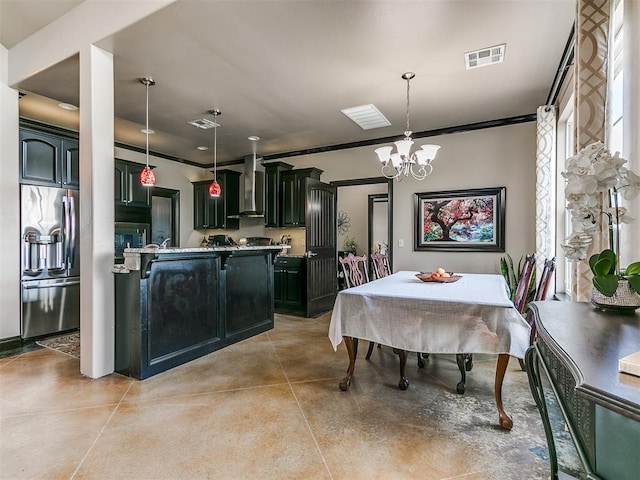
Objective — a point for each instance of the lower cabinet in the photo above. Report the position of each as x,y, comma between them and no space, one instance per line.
289,285
179,307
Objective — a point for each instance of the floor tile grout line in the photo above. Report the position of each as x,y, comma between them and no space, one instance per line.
304,417
101,432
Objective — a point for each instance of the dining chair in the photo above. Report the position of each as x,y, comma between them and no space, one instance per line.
355,270
541,293
381,267
522,289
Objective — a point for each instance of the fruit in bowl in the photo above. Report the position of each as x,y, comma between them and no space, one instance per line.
440,273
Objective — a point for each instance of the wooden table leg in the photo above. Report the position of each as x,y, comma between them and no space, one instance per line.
345,383
403,384
501,367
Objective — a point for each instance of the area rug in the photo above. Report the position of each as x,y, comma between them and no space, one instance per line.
67,344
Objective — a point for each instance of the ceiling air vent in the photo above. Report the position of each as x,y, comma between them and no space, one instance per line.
366,117
203,123
484,57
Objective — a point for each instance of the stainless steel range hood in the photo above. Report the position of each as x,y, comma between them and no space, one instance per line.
253,188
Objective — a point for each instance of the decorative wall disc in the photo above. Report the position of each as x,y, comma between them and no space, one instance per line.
343,222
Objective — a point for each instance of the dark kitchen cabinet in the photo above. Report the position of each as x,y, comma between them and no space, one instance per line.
273,192
49,159
288,284
294,197
128,190
213,212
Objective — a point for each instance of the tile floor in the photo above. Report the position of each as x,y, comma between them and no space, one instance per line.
266,408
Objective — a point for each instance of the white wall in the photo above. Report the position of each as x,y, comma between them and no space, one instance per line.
495,157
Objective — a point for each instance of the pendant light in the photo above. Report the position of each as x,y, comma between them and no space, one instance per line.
147,178
214,189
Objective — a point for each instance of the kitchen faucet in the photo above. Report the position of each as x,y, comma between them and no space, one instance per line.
164,242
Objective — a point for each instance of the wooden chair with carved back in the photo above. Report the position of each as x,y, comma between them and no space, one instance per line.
381,267
542,291
355,273
522,289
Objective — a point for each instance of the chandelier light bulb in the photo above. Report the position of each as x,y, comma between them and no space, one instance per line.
403,163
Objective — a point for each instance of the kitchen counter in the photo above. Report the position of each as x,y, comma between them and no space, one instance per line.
133,257
174,305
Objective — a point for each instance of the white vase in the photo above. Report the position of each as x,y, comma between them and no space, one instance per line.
625,300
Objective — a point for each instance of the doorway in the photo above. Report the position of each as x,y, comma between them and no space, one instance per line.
165,216
353,199
379,216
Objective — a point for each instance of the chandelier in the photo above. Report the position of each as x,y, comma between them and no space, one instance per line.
214,188
403,163
147,178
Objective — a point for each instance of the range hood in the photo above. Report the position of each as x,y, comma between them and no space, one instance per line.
253,206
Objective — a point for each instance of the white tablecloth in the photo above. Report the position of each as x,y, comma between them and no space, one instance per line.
472,315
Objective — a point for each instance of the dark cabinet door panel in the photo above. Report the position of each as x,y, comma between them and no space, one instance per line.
70,164
253,310
183,303
39,158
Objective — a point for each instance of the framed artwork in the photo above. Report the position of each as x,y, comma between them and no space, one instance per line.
467,220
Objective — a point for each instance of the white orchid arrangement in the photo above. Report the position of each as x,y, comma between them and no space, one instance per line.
594,176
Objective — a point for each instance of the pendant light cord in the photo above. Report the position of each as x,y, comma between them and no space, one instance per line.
215,147
408,82
147,123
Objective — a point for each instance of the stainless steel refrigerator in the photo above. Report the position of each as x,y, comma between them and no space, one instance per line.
50,260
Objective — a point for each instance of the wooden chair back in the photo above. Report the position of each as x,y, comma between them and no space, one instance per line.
355,270
520,299
381,266
545,279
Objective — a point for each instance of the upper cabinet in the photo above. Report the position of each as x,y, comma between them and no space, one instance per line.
48,159
273,192
294,197
128,190
213,212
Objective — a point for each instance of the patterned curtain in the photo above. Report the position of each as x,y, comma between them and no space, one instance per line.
545,184
591,71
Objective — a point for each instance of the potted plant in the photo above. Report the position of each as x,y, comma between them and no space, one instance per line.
596,183
606,276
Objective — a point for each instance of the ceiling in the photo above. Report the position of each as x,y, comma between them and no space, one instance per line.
284,70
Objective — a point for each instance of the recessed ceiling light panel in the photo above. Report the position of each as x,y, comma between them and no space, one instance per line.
484,57
149,131
202,148
367,116
203,123
67,106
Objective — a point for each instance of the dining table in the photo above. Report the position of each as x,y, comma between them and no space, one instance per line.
471,313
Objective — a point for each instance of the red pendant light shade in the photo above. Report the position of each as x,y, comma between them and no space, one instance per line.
214,189
147,178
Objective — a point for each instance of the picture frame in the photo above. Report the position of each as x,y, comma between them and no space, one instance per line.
471,220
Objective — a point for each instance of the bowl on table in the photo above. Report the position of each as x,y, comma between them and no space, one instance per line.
428,277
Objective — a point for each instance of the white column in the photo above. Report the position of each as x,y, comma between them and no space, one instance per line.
96,212
9,206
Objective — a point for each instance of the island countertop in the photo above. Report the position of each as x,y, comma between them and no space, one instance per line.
132,256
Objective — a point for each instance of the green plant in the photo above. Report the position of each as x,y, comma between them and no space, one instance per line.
512,275
605,279
350,244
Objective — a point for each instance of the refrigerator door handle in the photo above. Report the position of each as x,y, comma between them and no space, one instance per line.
50,284
71,216
66,231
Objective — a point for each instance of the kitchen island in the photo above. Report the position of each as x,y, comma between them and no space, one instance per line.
174,305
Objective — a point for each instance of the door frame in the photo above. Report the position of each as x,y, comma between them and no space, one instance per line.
374,198
174,195
371,181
